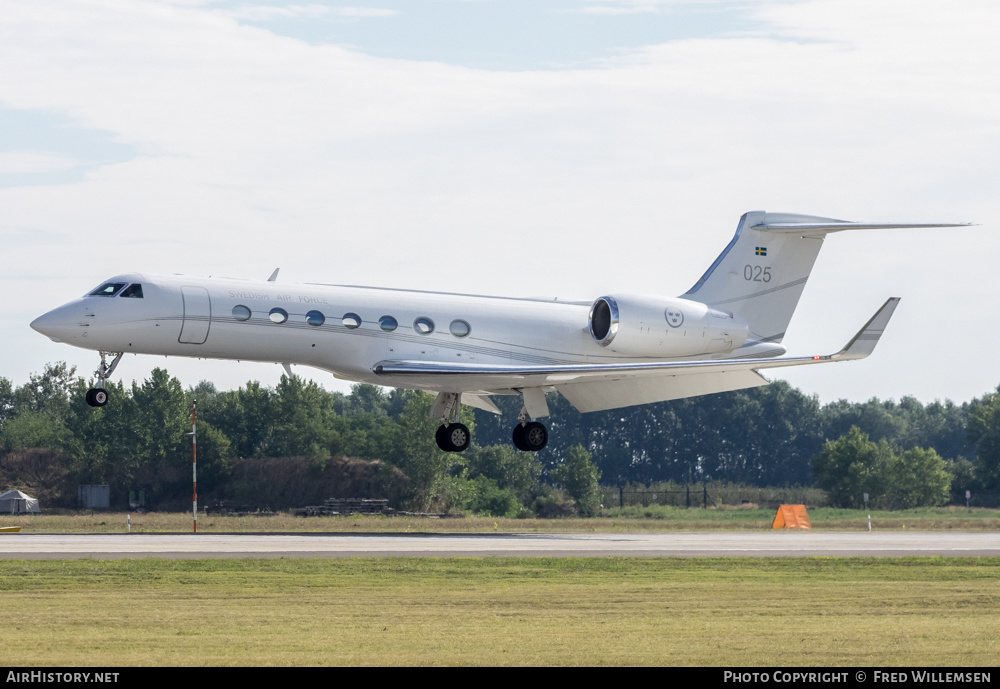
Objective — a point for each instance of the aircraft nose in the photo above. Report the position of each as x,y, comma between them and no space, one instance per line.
60,324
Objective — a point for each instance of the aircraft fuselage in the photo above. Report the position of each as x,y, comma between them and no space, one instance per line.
346,330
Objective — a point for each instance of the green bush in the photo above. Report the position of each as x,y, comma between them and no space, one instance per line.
492,500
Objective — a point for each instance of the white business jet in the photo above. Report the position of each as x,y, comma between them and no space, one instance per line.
616,351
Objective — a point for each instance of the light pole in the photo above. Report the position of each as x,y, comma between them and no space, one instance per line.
194,463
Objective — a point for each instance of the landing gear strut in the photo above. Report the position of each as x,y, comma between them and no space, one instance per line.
450,436
98,397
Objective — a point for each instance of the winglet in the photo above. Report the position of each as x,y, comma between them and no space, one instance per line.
863,344
274,275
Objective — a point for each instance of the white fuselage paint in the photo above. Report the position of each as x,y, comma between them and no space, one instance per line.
193,317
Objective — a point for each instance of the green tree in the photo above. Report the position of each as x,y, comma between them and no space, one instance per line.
984,433
580,477
35,414
851,466
509,469
492,500
416,453
916,478
306,423
6,400
48,391
33,429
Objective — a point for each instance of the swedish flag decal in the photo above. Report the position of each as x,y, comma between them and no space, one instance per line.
761,251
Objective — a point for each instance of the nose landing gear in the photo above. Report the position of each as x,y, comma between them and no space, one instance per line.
98,397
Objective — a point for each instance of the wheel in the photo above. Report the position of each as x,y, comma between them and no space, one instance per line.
441,437
454,437
535,436
97,397
518,437
458,437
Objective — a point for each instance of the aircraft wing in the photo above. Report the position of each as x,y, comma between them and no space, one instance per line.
593,387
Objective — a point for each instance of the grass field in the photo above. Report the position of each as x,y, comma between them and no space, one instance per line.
630,519
466,611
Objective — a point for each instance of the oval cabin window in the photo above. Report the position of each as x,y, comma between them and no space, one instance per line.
460,328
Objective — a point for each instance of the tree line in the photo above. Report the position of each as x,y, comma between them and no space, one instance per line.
773,435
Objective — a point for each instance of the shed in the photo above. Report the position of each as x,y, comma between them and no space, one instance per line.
16,502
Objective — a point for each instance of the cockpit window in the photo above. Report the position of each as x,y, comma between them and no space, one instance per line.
108,289
133,291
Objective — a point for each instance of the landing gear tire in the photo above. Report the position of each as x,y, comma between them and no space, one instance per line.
97,397
454,437
530,437
518,438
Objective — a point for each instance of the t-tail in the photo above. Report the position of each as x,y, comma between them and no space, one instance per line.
760,275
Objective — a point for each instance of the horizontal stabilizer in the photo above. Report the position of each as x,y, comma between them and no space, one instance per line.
821,226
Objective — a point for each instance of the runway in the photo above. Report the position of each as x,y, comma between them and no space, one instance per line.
334,545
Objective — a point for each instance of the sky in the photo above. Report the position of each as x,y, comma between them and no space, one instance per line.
571,148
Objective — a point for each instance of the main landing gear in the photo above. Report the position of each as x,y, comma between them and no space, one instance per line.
529,436
98,397
453,436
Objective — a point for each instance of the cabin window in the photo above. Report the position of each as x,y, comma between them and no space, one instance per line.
423,325
460,328
108,289
352,321
133,291
315,318
278,315
388,323
241,313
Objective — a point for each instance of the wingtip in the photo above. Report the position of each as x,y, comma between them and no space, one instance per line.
863,343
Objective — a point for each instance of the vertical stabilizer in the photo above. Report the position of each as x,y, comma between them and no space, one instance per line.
760,275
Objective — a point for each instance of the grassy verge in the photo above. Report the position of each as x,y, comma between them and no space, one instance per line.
740,612
654,518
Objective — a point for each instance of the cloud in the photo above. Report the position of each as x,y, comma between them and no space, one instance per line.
611,7
269,13
257,150
34,162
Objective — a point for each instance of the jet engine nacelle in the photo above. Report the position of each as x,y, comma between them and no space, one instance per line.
662,327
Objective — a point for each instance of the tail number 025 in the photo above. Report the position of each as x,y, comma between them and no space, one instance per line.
757,273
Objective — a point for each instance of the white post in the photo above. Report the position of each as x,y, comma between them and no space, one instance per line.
194,463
